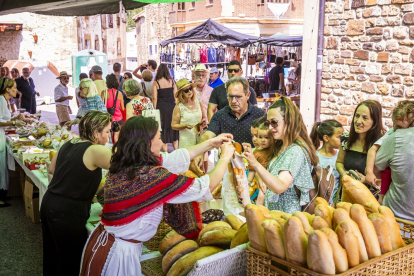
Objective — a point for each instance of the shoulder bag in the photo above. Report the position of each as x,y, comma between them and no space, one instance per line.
111,110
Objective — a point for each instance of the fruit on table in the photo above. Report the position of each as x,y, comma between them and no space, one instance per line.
47,142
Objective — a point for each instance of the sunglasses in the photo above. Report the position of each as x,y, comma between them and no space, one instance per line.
272,123
234,70
187,90
201,75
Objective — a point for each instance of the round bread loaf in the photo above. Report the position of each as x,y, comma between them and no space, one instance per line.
220,237
169,241
234,221
177,252
213,226
241,237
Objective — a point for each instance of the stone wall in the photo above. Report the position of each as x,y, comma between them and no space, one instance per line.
368,54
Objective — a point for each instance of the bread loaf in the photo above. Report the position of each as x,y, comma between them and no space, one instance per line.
319,223
213,226
383,234
234,221
321,200
281,222
276,214
185,264
348,241
359,215
358,192
310,217
305,222
319,253
177,252
264,210
296,241
254,219
286,216
274,238
219,237
344,205
169,241
241,237
371,207
342,215
339,253
324,212
393,227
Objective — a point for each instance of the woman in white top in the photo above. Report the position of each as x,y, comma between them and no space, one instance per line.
7,91
187,114
138,103
136,189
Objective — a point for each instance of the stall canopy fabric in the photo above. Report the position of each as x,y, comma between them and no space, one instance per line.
211,31
282,41
74,7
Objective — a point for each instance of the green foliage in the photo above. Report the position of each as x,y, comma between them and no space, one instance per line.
130,14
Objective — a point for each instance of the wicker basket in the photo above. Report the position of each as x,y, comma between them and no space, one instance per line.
154,243
398,262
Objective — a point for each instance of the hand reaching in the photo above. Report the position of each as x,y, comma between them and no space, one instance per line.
249,156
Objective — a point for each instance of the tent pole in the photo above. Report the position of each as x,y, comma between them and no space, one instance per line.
247,59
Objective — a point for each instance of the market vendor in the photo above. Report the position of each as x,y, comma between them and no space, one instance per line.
77,172
237,117
7,91
136,190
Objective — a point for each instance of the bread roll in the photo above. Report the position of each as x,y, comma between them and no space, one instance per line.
348,241
310,217
344,205
169,241
383,234
319,253
274,238
342,215
324,212
305,222
319,223
185,264
286,216
177,252
254,219
339,253
218,237
359,215
358,192
321,200
241,237
213,226
234,221
296,241
371,207
264,210
393,227
276,214
281,222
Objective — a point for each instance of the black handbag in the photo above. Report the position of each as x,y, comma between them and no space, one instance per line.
111,110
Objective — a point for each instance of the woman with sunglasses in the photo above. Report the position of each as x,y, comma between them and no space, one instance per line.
288,174
188,113
138,103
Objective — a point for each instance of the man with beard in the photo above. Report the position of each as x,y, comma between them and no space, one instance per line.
62,98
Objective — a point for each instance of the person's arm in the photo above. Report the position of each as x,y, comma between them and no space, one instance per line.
213,103
175,123
203,114
154,94
122,102
211,109
136,74
62,99
20,96
52,165
207,135
217,174
282,80
77,102
340,162
385,153
213,142
129,111
370,176
97,156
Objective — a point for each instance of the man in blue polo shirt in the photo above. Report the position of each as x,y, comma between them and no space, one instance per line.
237,117
214,78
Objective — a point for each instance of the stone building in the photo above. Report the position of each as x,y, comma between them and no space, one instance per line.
368,55
152,27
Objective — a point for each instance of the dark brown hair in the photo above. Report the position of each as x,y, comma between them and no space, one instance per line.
112,81
404,110
94,120
377,129
320,129
133,148
295,131
163,72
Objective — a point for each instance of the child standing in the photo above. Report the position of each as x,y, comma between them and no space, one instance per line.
402,117
328,133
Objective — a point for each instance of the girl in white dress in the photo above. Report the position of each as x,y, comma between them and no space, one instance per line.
188,113
7,91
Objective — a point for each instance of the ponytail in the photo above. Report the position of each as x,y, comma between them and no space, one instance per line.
314,135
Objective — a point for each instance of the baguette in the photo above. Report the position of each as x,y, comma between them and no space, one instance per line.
305,222
286,216
218,237
213,226
371,207
393,227
281,222
339,253
274,238
320,254
254,219
264,210
344,205
310,217
321,200
241,237
383,234
359,215
276,214
348,241
325,212
169,241
234,221
358,192
177,252
185,264
319,223
296,241
342,215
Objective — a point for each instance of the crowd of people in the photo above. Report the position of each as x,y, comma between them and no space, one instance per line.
195,118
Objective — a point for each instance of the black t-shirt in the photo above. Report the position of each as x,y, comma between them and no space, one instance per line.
274,77
219,97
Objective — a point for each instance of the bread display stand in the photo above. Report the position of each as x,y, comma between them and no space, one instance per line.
398,262
231,262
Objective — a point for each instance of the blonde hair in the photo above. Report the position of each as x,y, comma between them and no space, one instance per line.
88,83
132,88
93,121
180,95
147,75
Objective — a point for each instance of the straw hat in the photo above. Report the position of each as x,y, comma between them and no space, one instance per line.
183,84
201,67
63,74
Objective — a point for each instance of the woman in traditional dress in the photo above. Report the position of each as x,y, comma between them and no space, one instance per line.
136,190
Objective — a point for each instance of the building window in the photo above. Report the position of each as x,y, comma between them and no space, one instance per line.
193,5
210,2
155,49
181,6
119,47
87,43
172,6
150,50
118,21
104,22
104,46
96,44
110,21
